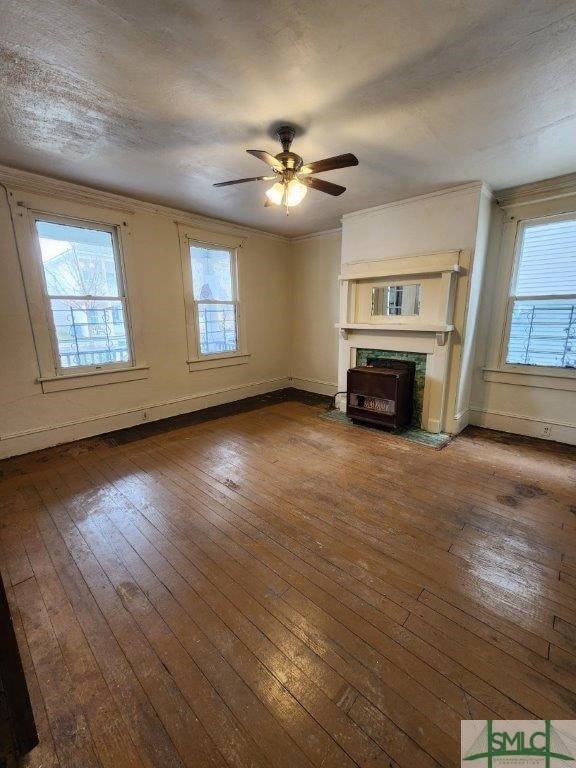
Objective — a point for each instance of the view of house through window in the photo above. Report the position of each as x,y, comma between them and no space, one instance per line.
214,289
543,296
85,295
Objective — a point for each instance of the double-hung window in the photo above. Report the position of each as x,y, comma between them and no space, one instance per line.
215,300
84,295
215,330
542,301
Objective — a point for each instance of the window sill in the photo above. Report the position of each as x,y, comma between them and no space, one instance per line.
563,379
92,378
222,361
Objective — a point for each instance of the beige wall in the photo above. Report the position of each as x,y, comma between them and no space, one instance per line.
290,299
315,265
31,419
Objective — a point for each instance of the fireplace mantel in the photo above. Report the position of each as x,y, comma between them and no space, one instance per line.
403,266
429,332
439,329
435,272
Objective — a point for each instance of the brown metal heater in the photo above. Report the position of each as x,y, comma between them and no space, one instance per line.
381,393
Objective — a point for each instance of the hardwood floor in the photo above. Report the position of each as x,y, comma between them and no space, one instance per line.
275,589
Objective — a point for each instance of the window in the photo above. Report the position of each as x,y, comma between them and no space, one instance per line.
215,320
84,295
542,304
215,299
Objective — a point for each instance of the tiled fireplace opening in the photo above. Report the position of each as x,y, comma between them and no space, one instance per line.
419,358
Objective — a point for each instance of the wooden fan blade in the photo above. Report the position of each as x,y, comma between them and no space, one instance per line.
268,203
267,158
323,186
241,181
330,164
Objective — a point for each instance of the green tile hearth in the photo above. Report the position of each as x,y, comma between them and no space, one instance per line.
414,434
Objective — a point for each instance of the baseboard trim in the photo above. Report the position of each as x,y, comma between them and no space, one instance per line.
459,422
315,385
37,438
561,432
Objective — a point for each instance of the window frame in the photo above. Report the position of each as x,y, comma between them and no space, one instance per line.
59,369
197,360
52,377
527,368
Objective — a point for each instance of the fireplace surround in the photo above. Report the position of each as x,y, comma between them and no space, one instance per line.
429,334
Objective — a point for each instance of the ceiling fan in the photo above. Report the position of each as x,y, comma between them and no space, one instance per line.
291,175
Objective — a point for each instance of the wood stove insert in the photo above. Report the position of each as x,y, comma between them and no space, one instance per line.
381,393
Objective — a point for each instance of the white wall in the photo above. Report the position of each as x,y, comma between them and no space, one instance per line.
526,403
315,266
31,419
469,299
441,221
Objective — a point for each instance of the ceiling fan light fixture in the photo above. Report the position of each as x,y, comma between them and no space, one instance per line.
295,192
276,193
287,193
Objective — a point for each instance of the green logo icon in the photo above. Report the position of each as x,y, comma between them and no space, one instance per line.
545,743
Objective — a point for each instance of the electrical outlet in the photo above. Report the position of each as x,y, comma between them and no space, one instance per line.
546,430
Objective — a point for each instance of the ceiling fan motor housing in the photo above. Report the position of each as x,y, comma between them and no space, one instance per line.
290,160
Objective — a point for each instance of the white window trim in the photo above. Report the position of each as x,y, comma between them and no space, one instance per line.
547,377
52,377
197,361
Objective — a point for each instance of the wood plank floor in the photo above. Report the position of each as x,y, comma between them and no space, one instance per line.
274,589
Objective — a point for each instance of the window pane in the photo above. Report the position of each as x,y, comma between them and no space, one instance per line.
77,261
543,332
90,332
212,274
547,264
217,327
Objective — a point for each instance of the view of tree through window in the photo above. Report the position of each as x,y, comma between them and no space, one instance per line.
85,295
214,295
543,314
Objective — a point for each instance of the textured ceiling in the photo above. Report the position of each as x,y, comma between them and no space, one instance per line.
158,99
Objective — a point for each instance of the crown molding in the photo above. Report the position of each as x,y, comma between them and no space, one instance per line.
35,183
461,189
487,191
538,191
27,181
316,235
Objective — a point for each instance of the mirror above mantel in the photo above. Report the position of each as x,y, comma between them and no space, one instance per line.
395,300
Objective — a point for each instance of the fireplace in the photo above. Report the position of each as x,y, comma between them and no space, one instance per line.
380,393
371,319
